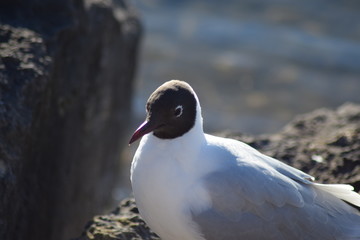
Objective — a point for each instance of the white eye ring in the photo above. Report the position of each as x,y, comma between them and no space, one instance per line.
180,107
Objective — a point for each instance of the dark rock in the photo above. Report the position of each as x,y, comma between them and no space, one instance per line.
306,143
66,73
124,223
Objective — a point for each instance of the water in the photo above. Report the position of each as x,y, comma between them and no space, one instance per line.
255,64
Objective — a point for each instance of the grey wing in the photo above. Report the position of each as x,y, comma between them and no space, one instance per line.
252,201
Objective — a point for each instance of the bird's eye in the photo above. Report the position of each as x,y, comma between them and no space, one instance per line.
178,111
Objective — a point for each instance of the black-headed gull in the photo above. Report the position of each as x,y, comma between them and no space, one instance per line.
191,185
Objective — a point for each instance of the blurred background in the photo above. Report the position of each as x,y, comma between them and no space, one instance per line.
73,88
254,64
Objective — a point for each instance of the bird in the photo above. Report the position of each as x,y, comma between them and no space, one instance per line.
189,185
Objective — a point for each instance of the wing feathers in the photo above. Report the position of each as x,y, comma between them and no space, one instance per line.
280,201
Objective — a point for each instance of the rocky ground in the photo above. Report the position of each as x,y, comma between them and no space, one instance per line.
324,143
66,80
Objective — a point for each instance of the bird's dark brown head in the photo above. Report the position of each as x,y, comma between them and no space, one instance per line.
171,111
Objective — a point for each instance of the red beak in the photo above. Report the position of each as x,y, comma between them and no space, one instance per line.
144,128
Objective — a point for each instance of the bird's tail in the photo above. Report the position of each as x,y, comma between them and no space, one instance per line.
343,191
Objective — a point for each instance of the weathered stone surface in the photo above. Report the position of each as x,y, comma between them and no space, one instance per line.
66,73
124,223
324,143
